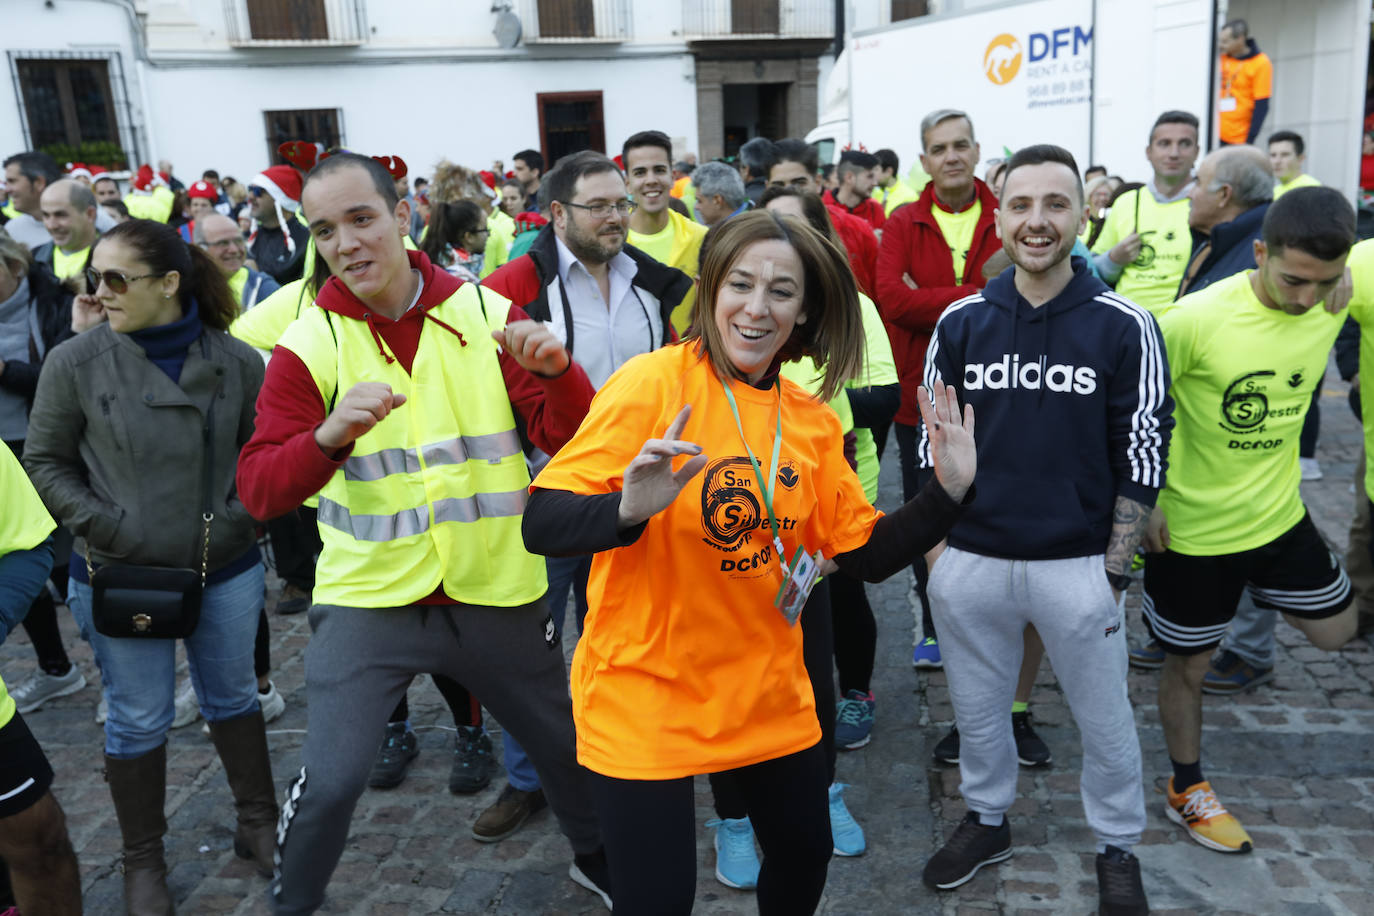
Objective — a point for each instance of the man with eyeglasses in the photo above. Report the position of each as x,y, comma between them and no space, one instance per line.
220,237
606,302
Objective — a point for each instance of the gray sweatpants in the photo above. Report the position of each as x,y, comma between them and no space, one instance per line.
359,663
981,606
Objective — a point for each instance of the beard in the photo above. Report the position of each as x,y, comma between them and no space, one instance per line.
593,247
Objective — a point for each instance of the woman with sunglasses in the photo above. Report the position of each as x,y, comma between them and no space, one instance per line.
118,450
700,480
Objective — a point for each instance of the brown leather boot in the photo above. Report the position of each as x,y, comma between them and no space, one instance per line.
139,790
242,746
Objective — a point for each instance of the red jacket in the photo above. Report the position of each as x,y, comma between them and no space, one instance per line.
859,243
868,209
913,245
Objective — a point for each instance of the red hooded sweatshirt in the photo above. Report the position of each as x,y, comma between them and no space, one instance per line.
282,465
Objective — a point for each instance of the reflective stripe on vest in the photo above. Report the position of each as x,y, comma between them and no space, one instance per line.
410,522
491,447
431,496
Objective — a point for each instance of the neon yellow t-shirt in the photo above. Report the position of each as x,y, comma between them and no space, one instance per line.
658,246
880,368
893,197
1302,181
1243,376
1152,278
24,523
957,228
69,265
1361,264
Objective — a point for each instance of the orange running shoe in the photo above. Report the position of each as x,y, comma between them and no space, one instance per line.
1198,811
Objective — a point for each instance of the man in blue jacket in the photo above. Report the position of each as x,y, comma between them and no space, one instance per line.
1226,208
1070,386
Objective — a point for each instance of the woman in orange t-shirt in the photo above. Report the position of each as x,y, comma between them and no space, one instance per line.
687,664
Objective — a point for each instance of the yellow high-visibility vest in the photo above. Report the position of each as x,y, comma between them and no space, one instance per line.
435,492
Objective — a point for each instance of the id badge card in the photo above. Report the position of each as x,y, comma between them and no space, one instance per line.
1227,104
798,578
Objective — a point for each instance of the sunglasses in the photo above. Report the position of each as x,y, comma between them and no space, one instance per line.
116,281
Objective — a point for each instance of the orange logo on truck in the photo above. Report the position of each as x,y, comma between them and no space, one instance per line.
1002,59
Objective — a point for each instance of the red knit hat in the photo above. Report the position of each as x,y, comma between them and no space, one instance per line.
204,190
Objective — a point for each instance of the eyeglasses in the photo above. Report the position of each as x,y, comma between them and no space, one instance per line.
602,211
117,282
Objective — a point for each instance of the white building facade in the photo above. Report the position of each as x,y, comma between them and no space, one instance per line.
219,83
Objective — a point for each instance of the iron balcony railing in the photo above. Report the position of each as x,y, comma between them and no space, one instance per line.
574,21
295,23
726,19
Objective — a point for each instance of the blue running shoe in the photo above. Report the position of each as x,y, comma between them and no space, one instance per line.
927,654
854,720
737,864
845,832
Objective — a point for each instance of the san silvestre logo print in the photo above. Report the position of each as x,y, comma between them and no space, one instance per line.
733,516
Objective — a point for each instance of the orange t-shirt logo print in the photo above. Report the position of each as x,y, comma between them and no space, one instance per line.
1002,59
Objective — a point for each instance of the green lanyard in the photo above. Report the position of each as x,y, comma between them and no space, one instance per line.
766,488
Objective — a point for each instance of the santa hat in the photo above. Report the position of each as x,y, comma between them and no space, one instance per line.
96,171
283,184
203,189
78,170
143,178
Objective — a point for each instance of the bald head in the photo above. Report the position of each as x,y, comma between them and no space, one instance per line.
223,242
68,209
1230,181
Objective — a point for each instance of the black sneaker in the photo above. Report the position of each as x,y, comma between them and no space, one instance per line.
591,871
947,751
507,814
1119,889
398,749
471,770
1031,750
969,848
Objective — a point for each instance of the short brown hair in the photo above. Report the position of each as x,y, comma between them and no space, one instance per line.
833,335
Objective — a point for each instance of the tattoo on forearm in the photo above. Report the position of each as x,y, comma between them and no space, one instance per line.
1129,519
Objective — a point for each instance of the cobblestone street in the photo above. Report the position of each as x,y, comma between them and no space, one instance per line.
1293,759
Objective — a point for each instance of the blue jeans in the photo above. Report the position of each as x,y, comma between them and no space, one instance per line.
564,572
139,675
1251,634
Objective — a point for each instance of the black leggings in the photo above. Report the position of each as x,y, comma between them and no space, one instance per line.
649,830
856,632
262,653
817,651
906,447
465,709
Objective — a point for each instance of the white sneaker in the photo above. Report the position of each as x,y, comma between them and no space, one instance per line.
40,687
1311,468
272,703
187,706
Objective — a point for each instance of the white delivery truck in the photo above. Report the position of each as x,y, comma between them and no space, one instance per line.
1092,75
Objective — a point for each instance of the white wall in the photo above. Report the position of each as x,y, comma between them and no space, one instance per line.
1319,51
469,111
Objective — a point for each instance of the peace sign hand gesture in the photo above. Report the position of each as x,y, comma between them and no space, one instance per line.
650,483
952,448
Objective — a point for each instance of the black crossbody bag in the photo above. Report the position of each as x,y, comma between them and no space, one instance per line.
154,602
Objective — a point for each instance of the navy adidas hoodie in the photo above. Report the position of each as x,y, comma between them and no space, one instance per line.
1072,409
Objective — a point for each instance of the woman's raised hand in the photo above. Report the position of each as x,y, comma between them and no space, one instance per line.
650,483
950,435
